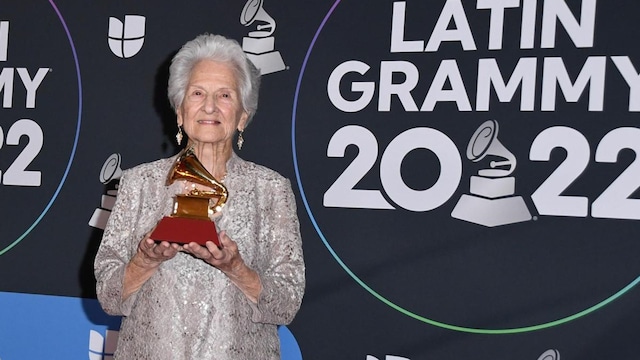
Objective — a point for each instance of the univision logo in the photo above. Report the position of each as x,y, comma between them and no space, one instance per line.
126,37
102,347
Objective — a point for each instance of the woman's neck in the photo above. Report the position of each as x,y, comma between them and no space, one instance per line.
214,157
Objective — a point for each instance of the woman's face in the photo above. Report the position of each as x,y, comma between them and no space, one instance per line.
211,110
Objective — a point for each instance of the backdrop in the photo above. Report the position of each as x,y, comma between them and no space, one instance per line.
466,171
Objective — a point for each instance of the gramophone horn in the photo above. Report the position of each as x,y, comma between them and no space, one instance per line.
485,142
188,167
111,169
253,11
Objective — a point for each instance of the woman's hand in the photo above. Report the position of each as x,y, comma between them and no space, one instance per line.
227,259
151,254
145,263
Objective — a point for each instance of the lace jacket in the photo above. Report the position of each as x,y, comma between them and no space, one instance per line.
189,309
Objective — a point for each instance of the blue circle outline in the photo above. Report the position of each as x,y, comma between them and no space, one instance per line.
373,292
75,142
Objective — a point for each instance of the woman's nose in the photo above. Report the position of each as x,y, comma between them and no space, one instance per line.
210,105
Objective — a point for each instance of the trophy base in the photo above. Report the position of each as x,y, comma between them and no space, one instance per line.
184,230
491,212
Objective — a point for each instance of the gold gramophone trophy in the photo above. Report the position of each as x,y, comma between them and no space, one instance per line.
190,221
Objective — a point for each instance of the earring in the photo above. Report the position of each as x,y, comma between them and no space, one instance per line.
179,135
240,140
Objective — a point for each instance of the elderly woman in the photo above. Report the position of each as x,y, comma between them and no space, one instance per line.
204,302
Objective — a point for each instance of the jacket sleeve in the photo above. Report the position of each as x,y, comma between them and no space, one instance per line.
283,280
115,250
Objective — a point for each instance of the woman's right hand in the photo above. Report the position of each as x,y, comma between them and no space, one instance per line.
145,263
151,254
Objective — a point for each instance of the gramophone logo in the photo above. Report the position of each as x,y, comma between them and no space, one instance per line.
110,171
492,201
126,37
260,44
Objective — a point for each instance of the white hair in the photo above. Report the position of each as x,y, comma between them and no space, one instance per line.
216,48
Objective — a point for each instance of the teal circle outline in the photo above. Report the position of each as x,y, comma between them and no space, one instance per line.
443,325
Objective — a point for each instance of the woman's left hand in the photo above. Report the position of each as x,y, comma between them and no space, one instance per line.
228,260
226,257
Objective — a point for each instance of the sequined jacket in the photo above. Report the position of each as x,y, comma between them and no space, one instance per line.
189,309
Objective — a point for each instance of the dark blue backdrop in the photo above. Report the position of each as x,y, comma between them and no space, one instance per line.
466,171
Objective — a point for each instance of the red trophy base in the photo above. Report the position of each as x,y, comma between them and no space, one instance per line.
183,230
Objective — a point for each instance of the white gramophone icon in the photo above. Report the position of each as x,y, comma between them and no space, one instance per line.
259,45
492,201
110,171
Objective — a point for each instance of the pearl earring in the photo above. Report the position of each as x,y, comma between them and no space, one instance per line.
240,140
179,135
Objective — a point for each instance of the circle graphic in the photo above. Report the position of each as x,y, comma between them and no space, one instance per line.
297,154
63,178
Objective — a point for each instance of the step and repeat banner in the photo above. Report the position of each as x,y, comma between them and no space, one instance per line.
467,172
